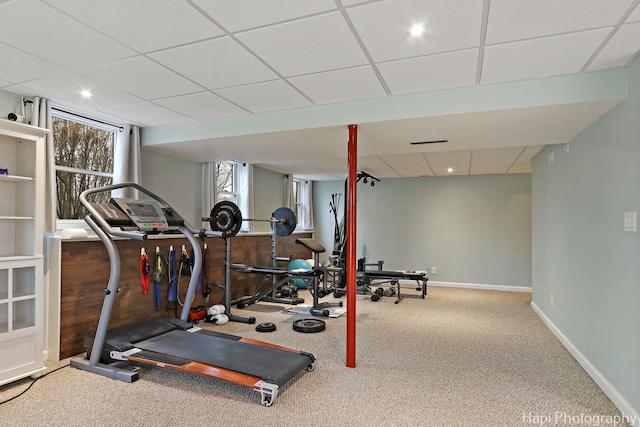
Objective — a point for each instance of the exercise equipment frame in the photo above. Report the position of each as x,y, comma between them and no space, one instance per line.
174,343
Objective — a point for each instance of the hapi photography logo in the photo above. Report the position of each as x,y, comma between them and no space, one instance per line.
564,418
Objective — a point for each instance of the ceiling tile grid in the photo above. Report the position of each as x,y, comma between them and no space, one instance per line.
162,62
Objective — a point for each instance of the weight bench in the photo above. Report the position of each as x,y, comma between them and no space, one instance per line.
372,278
318,308
275,277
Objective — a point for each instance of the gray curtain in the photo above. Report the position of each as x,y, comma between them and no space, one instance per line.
306,208
288,192
126,160
208,190
41,117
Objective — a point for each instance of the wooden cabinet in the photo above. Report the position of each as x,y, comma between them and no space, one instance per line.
21,259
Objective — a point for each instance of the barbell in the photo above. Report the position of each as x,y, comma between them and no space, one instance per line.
226,218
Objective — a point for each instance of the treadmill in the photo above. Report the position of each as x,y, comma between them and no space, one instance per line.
168,342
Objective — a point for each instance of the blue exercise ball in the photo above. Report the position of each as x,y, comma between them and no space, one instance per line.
300,264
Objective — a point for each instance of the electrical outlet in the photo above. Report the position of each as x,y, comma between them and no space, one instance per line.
433,270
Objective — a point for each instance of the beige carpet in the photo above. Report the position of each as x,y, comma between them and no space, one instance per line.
458,358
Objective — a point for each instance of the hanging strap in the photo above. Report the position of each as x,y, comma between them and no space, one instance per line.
145,271
158,276
173,277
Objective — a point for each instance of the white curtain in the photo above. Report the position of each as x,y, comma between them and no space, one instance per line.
288,192
41,117
208,190
126,160
306,205
245,194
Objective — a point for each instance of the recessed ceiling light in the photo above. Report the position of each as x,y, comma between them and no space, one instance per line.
417,30
86,94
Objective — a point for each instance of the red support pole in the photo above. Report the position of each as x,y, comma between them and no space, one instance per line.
351,246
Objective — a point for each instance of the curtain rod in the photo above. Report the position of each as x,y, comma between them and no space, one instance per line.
121,128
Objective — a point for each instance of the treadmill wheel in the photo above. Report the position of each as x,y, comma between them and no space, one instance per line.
309,325
266,327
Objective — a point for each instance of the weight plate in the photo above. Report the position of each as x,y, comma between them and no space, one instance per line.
226,218
266,327
287,221
309,325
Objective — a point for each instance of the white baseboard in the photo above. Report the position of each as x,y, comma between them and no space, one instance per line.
480,286
618,399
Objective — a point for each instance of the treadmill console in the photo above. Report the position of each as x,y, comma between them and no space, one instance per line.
146,214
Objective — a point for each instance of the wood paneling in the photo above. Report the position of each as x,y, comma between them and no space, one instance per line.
85,271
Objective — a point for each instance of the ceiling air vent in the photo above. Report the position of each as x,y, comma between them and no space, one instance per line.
436,141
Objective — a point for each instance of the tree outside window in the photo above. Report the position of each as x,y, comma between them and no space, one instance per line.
84,159
226,182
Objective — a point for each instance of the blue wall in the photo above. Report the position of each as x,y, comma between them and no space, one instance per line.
586,269
475,230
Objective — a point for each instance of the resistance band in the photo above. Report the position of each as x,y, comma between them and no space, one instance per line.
145,270
158,276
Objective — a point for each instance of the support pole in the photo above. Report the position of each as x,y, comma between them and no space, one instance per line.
351,246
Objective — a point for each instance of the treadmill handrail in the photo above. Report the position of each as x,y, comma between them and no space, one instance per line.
132,234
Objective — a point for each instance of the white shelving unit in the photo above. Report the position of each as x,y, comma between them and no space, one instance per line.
21,259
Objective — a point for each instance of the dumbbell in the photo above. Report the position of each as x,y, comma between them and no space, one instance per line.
377,294
389,292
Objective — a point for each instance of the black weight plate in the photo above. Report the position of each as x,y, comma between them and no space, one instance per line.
287,221
226,218
266,327
309,325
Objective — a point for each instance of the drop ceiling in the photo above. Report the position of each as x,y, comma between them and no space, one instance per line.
276,82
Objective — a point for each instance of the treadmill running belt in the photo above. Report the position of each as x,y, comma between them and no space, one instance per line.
271,364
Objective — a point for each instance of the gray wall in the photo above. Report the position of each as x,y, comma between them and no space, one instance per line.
177,181
9,103
582,258
474,230
268,195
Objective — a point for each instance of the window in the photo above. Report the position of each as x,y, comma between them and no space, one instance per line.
84,159
226,181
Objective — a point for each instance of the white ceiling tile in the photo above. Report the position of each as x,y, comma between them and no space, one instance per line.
521,167
201,106
216,63
17,66
268,96
142,77
441,161
286,47
237,15
68,87
413,164
434,72
146,114
623,46
384,27
511,20
530,151
542,57
494,161
635,15
145,25
347,3
44,32
375,166
341,85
